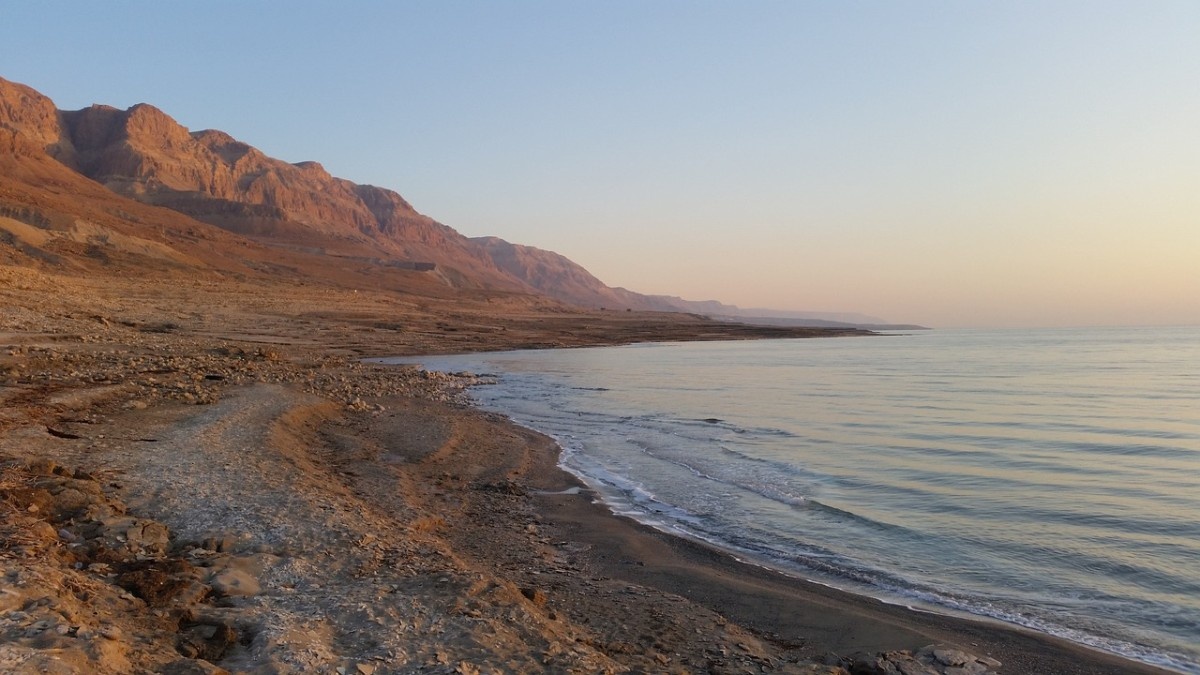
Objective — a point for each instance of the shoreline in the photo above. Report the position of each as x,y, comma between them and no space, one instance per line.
191,484
939,616
741,559
830,619
991,637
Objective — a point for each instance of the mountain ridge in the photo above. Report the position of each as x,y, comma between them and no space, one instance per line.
143,154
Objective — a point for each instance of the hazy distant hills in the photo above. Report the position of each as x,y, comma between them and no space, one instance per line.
102,188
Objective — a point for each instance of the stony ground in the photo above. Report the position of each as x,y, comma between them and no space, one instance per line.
211,486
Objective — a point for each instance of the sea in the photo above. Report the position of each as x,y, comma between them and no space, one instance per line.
1044,478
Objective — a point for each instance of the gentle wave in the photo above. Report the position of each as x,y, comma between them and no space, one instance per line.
1049,480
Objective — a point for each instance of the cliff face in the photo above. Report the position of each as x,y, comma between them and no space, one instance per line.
558,276
553,274
30,125
142,154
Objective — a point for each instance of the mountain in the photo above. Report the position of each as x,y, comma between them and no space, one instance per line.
50,214
135,187
550,273
143,154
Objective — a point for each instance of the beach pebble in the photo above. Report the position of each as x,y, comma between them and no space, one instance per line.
813,669
193,667
952,657
233,582
534,595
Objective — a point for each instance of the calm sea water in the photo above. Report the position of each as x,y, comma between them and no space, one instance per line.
1045,478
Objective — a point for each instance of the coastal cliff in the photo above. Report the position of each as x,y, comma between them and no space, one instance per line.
256,214
314,222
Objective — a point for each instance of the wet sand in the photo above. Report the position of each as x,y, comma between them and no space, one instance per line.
798,620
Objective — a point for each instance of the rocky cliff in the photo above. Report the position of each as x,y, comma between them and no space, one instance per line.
551,273
144,154
312,220
29,122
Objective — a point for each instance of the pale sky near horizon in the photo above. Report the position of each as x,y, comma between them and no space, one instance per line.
944,163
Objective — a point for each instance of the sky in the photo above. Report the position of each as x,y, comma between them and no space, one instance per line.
954,164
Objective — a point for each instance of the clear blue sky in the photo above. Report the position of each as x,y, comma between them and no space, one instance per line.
948,163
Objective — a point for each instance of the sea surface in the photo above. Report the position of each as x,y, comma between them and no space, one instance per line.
1046,478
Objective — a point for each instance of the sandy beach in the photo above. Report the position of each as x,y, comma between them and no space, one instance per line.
207,478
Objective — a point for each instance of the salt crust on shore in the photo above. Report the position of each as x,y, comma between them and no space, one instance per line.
196,487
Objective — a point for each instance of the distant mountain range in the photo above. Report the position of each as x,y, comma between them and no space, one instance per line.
135,189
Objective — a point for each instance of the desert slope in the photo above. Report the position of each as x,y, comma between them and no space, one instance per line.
142,153
63,166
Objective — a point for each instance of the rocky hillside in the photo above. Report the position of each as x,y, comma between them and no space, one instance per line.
557,276
76,187
552,274
144,155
